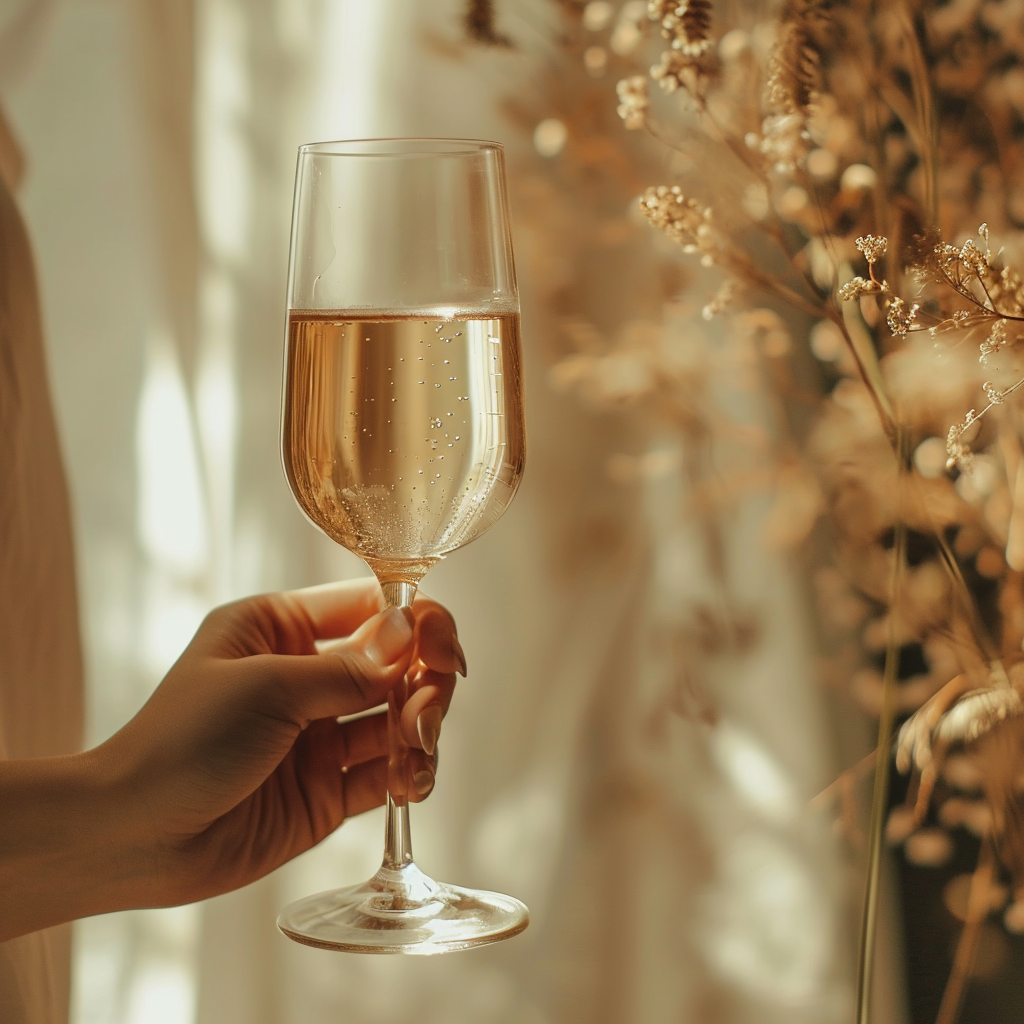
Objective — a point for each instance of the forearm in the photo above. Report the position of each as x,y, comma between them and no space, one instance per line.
66,846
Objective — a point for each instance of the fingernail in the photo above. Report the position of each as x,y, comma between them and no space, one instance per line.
428,725
460,655
391,637
423,780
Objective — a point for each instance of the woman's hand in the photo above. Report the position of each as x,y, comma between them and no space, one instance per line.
237,762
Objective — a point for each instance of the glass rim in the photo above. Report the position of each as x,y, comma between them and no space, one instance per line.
399,146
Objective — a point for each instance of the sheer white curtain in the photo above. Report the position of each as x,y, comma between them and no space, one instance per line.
665,884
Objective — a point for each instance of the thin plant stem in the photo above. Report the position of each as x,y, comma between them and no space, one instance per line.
878,397
967,945
880,792
924,106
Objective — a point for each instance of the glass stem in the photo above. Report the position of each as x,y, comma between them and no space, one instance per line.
397,838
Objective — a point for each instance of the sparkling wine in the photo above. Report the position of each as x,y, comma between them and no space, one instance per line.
398,442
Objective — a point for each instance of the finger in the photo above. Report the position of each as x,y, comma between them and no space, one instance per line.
351,676
339,609
426,705
329,795
289,622
422,773
364,786
350,743
443,682
437,644
334,767
382,637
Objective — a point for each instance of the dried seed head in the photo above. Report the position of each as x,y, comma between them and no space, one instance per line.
794,75
958,451
721,300
977,713
633,100
784,139
973,258
857,287
993,394
695,26
686,23
683,220
994,342
874,247
899,316
674,70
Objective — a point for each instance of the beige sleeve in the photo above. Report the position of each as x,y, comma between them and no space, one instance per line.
40,654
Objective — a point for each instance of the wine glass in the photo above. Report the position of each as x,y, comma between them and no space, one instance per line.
402,440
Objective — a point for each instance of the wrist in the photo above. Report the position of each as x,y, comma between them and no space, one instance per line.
67,848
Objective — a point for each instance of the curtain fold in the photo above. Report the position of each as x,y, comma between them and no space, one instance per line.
163,52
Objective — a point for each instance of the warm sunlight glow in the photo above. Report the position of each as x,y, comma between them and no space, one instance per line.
171,519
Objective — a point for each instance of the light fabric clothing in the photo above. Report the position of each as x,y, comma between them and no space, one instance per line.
40,656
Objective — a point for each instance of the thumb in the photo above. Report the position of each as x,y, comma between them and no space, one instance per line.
346,676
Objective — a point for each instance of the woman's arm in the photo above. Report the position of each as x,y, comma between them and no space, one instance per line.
64,850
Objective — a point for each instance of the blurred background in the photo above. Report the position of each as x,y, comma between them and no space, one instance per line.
634,751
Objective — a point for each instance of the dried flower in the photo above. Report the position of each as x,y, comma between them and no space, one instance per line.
976,713
859,286
784,140
873,247
686,23
986,722
899,316
973,258
794,76
694,27
659,10
993,394
1008,291
994,342
683,220
633,100
677,70
957,450
946,255
721,300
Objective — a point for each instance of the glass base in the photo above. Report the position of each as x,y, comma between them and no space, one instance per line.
401,910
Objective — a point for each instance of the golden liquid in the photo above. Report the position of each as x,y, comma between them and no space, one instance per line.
403,437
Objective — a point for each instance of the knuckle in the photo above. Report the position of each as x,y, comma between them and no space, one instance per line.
218,620
236,620
359,673
265,623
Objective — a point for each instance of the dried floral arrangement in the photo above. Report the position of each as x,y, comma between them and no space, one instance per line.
844,179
